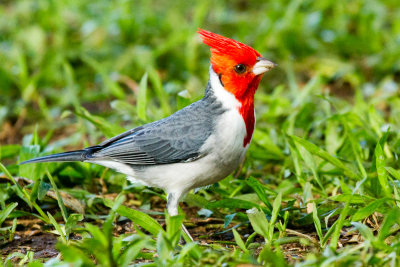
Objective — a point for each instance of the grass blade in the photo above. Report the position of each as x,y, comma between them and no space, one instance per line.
105,127
339,225
365,231
141,103
138,217
4,213
259,189
58,228
59,198
239,241
232,203
392,217
317,222
259,222
315,150
369,209
380,168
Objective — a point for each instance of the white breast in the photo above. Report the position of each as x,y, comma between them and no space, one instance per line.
230,128
226,144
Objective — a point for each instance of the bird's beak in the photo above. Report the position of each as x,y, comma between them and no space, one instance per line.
263,65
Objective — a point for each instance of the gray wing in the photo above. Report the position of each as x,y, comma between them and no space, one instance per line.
176,138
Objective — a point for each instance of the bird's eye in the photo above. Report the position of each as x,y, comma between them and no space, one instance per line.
240,68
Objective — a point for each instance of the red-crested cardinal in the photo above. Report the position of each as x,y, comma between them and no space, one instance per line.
198,145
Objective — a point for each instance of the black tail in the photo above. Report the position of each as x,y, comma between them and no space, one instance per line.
77,155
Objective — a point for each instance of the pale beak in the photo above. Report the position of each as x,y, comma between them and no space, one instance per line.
263,65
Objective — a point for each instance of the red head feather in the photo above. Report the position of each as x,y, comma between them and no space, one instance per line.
225,47
225,55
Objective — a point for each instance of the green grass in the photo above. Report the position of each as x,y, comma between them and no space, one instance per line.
320,184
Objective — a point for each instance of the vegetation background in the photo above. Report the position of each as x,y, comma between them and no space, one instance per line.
319,187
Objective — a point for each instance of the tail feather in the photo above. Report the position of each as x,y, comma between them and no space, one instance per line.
77,155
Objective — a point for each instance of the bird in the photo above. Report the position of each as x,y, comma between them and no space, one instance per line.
198,145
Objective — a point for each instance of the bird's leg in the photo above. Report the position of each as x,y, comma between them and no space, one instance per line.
172,208
172,204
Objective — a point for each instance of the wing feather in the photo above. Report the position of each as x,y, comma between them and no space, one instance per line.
177,138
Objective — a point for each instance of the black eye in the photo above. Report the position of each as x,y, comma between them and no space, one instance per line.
240,68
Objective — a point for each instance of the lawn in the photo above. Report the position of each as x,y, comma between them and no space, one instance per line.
320,183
